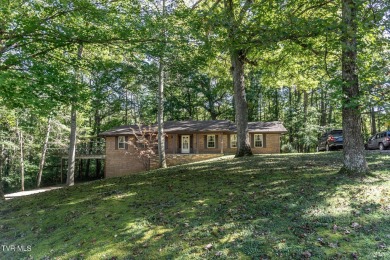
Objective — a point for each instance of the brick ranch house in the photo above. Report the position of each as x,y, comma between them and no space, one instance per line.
187,141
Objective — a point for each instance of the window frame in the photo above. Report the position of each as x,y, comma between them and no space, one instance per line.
233,141
121,142
207,140
262,140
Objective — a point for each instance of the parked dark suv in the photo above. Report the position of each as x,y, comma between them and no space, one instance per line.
331,140
379,141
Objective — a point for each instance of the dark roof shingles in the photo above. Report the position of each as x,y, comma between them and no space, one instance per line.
200,126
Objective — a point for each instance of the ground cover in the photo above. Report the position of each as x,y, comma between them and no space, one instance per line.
287,206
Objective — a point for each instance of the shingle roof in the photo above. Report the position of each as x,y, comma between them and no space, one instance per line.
199,126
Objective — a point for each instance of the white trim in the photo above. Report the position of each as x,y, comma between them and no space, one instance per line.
211,141
261,140
123,141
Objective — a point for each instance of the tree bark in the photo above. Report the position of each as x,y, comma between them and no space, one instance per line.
238,59
160,101
72,147
353,150
73,132
373,121
1,174
20,137
44,150
160,116
323,108
241,104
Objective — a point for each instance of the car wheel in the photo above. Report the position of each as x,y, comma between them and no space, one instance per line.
381,147
327,148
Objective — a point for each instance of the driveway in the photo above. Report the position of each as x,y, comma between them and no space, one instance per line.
30,192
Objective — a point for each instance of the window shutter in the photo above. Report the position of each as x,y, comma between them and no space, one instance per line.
252,138
126,144
228,141
116,142
264,140
205,142
216,141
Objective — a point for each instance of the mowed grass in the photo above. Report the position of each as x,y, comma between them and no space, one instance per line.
288,206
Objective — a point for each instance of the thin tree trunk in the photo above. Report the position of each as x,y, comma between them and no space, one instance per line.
160,112
353,150
44,150
305,104
20,137
126,108
373,121
160,116
330,113
72,138
72,147
323,109
81,166
1,174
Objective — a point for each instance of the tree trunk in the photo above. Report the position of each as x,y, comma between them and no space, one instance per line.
323,109
160,116
373,121
330,113
241,104
20,137
72,138
276,105
160,101
72,147
353,150
43,156
1,174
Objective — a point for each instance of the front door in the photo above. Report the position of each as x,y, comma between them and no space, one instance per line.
185,144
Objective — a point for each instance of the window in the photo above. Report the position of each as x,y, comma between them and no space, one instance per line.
121,142
233,141
210,141
258,140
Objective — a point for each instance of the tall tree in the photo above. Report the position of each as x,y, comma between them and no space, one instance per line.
353,149
73,127
238,56
160,97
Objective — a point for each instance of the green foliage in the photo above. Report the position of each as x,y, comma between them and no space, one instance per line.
274,206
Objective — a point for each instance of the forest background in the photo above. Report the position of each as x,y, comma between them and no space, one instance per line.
104,60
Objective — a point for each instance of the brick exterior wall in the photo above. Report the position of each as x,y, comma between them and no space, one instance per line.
271,144
177,159
120,162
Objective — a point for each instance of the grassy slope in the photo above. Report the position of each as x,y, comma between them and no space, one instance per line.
280,206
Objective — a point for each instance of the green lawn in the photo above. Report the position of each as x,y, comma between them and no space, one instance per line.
288,206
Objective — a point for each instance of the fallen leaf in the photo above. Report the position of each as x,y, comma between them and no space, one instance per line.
306,254
355,225
381,245
208,246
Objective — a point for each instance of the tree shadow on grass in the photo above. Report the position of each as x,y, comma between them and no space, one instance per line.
265,206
